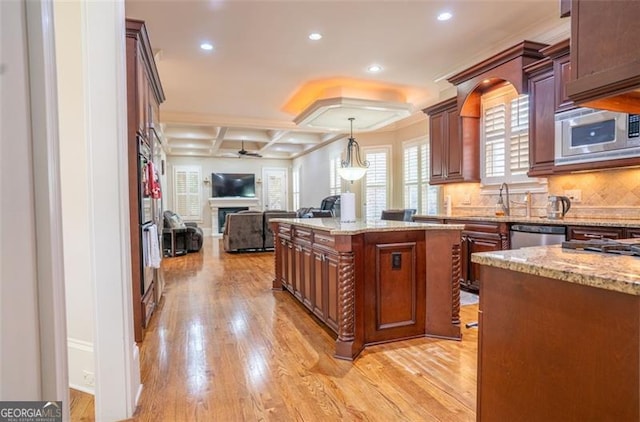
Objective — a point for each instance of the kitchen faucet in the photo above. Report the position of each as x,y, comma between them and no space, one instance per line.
501,205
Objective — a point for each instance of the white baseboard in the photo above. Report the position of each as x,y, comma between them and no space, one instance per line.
81,363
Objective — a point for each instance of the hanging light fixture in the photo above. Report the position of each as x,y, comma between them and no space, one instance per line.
353,168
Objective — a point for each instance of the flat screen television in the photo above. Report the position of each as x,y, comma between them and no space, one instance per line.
225,185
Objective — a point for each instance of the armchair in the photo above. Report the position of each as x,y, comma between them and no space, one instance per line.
405,214
176,229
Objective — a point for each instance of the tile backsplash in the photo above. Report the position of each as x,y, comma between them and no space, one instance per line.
612,193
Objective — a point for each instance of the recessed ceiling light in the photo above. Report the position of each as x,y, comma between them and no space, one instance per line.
445,16
206,46
374,68
315,36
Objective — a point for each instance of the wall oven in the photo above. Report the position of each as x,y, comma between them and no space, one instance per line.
586,135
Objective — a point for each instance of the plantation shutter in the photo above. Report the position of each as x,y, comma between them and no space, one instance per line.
296,187
187,192
505,137
335,181
519,141
411,181
495,140
376,183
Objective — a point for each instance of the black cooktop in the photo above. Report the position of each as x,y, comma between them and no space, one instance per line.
604,246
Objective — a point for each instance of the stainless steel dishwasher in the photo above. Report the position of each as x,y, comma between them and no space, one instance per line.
524,235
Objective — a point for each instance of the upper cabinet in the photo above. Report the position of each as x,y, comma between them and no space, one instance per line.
144,90
547,95
605,63
454,153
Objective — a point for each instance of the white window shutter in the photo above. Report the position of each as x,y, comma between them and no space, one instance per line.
376,182
335,181
188,192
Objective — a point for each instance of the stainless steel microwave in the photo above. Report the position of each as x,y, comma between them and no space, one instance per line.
586,135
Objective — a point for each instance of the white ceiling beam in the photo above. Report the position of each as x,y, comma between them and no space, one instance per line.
274,139
222,131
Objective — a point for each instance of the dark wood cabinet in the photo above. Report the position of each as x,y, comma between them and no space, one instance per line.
454,150
605,65
547,96
555,350
144,96
588,233
542,91
479,236
371,285
632,233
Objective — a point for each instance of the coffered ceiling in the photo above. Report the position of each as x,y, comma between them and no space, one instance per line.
264,74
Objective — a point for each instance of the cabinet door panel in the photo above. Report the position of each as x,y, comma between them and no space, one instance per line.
298,272
319,295
480,245
331,280
437,133
542,92
454,145
307,277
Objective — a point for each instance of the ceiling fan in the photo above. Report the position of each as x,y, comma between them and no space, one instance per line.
244,152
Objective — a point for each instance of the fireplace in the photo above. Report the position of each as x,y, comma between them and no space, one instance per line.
222,215
218,205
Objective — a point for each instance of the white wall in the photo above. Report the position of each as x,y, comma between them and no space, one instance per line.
314,173
218,165
75,194
19,340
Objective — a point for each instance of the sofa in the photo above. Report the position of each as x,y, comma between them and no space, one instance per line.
250,230
175,227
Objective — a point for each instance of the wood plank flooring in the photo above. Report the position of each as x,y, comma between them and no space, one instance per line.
223,346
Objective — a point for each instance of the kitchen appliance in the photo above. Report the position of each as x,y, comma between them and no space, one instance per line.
557,207
585,135
525,235
604,246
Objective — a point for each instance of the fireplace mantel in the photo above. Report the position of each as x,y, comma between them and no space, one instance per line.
216,203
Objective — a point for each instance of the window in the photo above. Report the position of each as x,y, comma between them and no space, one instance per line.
335,182
376,181
187,192
296,187
418,194
505,137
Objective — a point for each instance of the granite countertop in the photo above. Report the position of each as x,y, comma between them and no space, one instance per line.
567,221
605,271
335,227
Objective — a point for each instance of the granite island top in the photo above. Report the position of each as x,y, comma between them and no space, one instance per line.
618,273
567,221
335,227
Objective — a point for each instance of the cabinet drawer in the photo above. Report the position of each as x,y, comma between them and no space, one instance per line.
587,233
284,229
481,226
632,233
302,234
324,240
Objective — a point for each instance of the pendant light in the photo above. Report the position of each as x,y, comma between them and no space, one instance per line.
353,168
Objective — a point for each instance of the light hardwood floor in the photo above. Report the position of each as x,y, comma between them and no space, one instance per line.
223,346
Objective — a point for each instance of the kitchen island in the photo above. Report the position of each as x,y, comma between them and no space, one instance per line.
559,335
372,282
